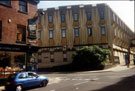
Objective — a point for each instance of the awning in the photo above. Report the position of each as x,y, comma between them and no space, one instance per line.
18,48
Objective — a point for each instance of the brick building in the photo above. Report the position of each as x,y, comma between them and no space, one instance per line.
18,29
68,28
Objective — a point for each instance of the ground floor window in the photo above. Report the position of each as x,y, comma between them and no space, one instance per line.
52,57
116,59
64,56
19,61
4,60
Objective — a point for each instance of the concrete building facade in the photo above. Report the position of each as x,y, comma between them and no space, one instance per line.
65,29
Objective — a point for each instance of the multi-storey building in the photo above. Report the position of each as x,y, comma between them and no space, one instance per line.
65,29
18,28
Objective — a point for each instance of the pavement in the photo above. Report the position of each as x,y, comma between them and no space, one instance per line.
117,68
113,69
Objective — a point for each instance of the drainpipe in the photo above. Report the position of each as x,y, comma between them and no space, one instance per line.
128,56
28,55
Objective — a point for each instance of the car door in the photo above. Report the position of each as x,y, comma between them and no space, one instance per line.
33,81
22,79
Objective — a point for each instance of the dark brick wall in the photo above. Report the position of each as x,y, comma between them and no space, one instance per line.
9,29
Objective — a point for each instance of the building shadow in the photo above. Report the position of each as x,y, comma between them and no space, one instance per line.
126,84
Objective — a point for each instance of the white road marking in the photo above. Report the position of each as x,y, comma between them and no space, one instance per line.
52,90
74,79
87,79
80,83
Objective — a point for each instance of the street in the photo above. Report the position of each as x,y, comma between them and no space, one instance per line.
90,81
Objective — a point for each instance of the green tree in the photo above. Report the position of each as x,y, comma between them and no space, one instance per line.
90,57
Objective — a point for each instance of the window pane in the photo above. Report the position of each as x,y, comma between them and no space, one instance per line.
52,56
63,32
102,15
21,33
75,17
65,55
23,6
62,17
89,31
113,17
51,33
5,2
23,75
50,19
39,35
103,30
88,16
22,3
76,32
39,19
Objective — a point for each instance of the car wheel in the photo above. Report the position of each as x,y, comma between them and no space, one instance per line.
19,88
43,83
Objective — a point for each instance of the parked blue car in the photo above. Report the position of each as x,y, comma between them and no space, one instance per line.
22,80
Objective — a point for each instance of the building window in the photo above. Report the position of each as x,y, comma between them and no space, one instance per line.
50,18
63,31
52,57
89,31
103,30
0,30
21,33
23,6
39,35
64,56
120,23
63,18
89,16
113,17
39,19
76,31
39,57
102,15
75,17
50,33
5,2
117,20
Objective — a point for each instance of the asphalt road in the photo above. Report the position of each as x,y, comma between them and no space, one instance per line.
90,81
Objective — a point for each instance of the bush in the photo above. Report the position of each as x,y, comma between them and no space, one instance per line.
92,57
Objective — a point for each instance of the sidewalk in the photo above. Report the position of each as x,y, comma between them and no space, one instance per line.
120,68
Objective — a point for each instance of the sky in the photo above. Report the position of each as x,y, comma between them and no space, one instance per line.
124,9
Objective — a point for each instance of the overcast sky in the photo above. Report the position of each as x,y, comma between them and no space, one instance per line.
124,9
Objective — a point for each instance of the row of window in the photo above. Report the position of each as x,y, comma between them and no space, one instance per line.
121,24
76,32
52,57
75,17
22,4
64,57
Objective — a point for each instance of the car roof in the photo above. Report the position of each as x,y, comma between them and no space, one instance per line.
26,72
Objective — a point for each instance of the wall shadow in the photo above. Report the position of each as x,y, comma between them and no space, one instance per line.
126,84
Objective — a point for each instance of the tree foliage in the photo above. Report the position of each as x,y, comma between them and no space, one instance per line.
90,57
